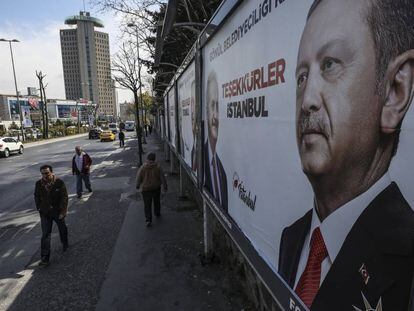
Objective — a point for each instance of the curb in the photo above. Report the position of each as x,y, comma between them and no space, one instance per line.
52,140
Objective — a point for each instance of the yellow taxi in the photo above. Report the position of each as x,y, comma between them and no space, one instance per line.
107,135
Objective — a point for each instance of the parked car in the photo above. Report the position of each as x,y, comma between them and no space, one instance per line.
113,127
95,133
129,126
107,135
10,145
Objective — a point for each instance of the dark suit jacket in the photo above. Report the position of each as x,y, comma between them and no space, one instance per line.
382,239
86,165
208,180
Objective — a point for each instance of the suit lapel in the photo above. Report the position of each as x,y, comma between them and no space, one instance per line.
223,183
292,243
374,245
207,176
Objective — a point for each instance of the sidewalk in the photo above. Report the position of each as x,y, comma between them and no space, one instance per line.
159,268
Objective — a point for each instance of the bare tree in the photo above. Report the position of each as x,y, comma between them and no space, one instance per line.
124,66
45,117
137,12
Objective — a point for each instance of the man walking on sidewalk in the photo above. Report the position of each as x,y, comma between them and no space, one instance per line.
51,198
150,176
121,137
81,165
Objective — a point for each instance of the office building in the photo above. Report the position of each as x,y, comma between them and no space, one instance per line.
86,63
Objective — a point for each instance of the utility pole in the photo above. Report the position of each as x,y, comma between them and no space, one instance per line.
15,85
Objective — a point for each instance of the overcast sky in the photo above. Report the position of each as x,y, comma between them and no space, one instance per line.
36,24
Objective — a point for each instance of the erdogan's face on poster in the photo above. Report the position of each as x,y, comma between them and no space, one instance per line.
338,109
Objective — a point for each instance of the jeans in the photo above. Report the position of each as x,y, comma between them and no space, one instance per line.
46,223
86,180
121,143
149,196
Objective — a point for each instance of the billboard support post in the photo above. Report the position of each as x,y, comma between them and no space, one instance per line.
166,153
171,161
208,233
182,195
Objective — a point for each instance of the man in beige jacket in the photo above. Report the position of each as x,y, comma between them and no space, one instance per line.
150,177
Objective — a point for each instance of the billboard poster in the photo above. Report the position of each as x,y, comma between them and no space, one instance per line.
74,112
32,104
71,112
308,145
164,116
171,116
64,111
187,117
91,119
27,122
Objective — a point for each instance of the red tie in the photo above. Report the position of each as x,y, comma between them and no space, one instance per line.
310,279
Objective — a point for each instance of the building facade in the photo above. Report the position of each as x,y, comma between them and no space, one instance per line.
126,111
57,109
86,63
31,107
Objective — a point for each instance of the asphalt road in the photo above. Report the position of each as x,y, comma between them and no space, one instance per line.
19,229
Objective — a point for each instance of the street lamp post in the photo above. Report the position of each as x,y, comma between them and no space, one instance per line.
139,79
15,84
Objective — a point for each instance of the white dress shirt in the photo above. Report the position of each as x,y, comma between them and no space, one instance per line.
79,161
337,225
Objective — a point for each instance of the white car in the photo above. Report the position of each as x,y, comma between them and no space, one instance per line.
9,145
113,127
129,126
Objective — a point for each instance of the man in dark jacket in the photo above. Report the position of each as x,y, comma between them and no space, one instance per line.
51,200
150,176
121,137
81,165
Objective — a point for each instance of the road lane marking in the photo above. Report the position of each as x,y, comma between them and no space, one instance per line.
23,168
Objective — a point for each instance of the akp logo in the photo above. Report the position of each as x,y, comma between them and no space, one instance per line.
244,195
236,179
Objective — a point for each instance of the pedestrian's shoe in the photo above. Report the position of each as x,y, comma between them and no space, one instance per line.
44,262
158,215
65,247
148,223
90,189
79,196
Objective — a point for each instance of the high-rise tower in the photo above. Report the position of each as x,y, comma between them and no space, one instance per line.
86,63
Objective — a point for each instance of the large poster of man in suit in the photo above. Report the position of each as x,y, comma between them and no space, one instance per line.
172,116
354,250
187,113
215,178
